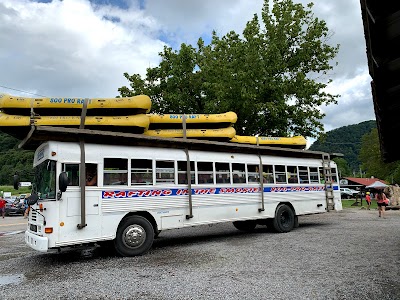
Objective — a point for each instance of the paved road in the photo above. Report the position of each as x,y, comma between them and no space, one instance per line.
12,224
351,254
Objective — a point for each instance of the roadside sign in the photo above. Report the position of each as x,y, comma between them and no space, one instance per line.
26,183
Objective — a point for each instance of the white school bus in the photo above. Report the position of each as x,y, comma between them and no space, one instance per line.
146,185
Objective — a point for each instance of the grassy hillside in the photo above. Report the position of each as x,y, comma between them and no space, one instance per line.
9,188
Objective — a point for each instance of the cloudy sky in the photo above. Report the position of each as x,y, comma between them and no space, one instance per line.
81,48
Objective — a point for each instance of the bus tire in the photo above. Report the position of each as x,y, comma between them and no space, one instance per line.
270,224
248,225
135,236
284,220
157,233
296,221
107,247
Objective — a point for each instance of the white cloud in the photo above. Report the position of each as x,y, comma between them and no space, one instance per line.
67,48
350,78
355,104
76,48
192,19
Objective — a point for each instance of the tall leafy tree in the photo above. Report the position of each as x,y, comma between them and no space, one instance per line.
273,75
343,167
174,86
14,160
371,159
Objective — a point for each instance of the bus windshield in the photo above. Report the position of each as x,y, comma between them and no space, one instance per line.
45,180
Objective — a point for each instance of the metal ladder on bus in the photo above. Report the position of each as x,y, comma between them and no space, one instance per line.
327,172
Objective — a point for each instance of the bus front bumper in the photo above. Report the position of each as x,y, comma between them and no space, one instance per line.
36,242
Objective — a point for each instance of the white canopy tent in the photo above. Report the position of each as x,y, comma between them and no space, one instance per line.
376,185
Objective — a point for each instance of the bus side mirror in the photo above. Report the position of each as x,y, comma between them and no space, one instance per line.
63,181
16,182
32,199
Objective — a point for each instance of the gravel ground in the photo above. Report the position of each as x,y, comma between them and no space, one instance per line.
351,254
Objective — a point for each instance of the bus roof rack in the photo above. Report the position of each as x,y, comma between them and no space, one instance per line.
40,134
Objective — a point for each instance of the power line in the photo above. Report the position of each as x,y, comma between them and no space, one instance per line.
6,87
345,143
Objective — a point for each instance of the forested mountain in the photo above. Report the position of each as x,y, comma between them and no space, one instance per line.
14,160
345,140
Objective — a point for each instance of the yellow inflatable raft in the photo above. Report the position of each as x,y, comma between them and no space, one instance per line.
298,142
19,126
140,120
211,134
73,106
193,121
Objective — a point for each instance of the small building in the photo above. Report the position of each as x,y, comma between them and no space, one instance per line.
358,184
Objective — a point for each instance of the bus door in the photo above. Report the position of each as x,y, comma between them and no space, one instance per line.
70,214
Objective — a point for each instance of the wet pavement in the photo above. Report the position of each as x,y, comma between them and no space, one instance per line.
8,279
12,225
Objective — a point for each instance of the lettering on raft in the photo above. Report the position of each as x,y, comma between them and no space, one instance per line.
69,100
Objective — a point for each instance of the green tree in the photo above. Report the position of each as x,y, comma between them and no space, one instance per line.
371,159
343,167
273,75
14,160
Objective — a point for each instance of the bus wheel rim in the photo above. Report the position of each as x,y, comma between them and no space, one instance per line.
134,236
285,219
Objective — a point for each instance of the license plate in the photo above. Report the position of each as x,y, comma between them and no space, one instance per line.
33,227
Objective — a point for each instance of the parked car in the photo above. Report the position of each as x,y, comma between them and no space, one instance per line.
14,207
8,199
347,193
22,197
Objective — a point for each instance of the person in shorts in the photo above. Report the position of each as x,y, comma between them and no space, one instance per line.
2,207
26,208
382,202
368,199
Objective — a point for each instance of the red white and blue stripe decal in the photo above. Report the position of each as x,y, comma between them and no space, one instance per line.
142,193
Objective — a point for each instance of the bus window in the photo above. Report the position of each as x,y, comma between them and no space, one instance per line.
303,174
334,175
204,172
141,171
253,173
115,171
182,172
321,175
239,173
45,179
165,171
268,174
72,171
91,174
314,175
280,174
222,172
292,174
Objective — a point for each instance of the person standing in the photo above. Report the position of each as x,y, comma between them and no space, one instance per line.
26,206
368,199
91,174
382,203
2,207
